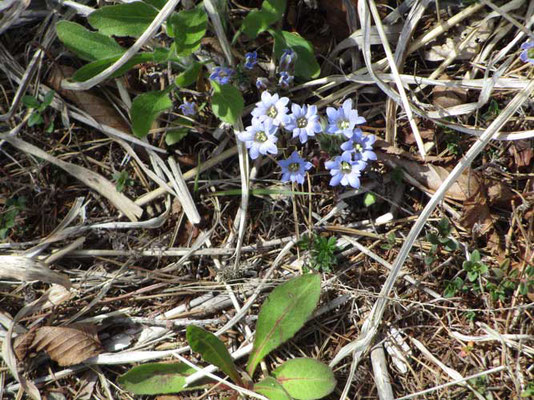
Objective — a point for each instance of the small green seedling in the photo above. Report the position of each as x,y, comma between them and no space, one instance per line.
474,267
284,312
440,240
322,252
122,179
36,117
8,216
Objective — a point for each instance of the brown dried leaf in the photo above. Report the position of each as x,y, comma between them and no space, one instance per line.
476,216
68,345
432,176
523,152
92,104
21,344
499,194
27,269
446,97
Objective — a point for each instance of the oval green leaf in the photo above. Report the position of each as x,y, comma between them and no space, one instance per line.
89,46
271,389
189,76
129,19
212,350
189,27
306,66
146,108
156,378
284,312
227,102
305,378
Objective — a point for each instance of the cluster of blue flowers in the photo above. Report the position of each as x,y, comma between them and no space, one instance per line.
271,115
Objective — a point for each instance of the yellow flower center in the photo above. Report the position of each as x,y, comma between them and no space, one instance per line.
302,122
346,168
294,167
272,112
260,137
358,147
343,124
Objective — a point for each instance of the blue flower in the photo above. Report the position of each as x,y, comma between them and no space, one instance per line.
360,145
294,168
527,55
260,138
262,83
345,170
287,59
271,107
303,122
285,79
222,75
343,119
188,108
251,59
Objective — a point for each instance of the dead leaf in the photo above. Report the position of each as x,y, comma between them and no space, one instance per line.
445,97
22,344
499,194
523,152
476,216
94,105
68,345
433,176
26,269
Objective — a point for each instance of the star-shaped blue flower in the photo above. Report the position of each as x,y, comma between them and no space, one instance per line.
294,168
285,79
251,59
303,122
345,170
260,138
343,120
271,107
360,145
188,108
527,55
222,75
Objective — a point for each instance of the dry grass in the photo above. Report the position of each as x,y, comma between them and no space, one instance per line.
176,247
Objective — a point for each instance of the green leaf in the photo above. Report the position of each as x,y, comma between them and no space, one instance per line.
129,19
475,256
284,312
258,21
227,102
146,108
30,101
271,389
156,378
47,100
87,45
176,135
189,27
35,119
159,4
94,68
212,350
189,76
369,199
306,65
305,378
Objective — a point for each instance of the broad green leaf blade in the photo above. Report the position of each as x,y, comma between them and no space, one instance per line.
175,136
189,27
94,68
305,378
30,101
146,108
89,46
258,21
271,389
159,4
189,76
306,66
156,378
212,350
227,102
284,312
129,19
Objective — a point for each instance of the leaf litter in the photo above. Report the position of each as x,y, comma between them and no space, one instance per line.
135,275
